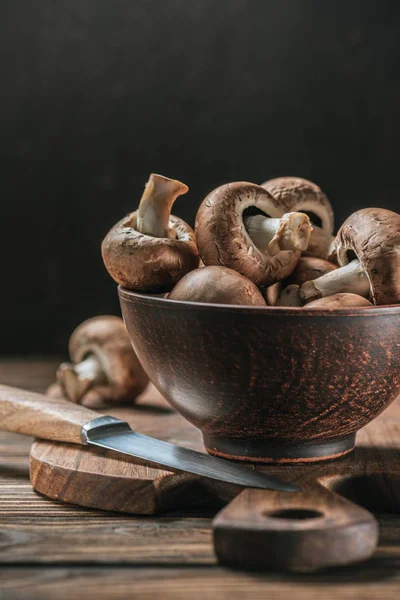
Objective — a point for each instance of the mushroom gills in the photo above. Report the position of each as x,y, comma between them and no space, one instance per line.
155,206
290,232
350,279
78,379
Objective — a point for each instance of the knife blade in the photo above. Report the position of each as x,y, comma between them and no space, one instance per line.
29,413
113,434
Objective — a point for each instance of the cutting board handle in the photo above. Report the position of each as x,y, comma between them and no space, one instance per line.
34,414
303,531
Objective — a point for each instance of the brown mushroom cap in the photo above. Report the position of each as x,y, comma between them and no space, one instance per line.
373,235
106,338
145,263
298,194
271,293
92,398
223,240
217,285
149,250
339,301
55,390
309,268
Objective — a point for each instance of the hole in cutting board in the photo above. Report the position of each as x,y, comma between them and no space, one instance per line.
296,514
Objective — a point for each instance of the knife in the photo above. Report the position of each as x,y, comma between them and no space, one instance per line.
55,419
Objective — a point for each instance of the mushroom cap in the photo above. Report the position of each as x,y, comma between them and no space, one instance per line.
302,195
107,338
309,268
217,285
223,240
373,234
55,390
339,301
145,263
271,293
92,398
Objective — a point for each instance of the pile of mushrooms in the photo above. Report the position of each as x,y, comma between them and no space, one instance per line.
255,245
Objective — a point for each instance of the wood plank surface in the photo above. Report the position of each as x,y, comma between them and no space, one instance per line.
51,550
179,583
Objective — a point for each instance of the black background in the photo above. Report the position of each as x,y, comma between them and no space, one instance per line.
97,94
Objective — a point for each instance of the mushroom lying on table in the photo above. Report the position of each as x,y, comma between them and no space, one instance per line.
367,247
104,366
149,250
242,227
217,285
297,194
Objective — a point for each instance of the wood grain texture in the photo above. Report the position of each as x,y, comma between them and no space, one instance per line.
306,531
245,533
37,415
102,479
33,529
370,476
79,537
179,583
295,385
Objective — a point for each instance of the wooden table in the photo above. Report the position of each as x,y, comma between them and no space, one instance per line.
50,550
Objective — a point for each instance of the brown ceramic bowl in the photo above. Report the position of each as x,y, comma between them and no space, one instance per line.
269,384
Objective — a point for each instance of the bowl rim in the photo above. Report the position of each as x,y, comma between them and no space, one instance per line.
294,311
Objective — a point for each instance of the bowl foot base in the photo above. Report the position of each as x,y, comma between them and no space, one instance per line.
278,451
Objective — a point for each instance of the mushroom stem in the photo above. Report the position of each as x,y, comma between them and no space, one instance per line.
155,205
290,296
290,232
350,279
77,379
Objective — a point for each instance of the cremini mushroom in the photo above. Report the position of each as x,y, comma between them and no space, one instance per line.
217,285
339,301
103,367
149,250
368,252
297,194
241,226
309,268
350,279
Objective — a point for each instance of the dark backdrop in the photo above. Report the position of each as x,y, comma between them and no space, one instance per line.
97,94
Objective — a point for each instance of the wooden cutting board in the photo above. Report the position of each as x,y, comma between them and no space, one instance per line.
254,520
